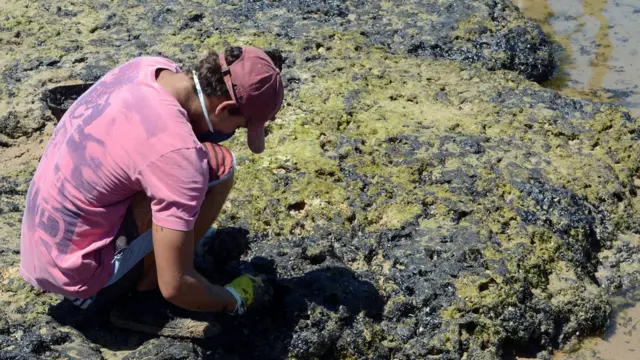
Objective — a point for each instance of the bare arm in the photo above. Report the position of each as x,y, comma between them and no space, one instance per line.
179,282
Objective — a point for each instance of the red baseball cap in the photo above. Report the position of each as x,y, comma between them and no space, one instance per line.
256,87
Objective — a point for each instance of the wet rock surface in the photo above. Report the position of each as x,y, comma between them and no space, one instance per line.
491,33
406,207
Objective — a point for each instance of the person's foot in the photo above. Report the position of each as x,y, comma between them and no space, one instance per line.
150,313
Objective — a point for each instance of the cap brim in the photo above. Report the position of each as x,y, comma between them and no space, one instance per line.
255,139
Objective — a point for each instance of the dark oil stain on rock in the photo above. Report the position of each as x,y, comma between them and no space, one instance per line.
397,222
491,33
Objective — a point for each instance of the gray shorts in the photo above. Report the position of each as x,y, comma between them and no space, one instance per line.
128,266
131,247
128,261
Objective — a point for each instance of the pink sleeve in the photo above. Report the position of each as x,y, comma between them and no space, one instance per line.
176,183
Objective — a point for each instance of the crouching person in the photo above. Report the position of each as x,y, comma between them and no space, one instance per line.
127,187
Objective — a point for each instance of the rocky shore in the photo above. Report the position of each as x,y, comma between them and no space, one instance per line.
420,196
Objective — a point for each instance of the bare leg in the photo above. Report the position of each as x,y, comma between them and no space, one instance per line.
209,211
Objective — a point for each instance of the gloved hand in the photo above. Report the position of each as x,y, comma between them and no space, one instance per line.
249,291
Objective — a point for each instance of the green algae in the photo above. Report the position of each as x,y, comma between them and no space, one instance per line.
376,142
394,180
24,299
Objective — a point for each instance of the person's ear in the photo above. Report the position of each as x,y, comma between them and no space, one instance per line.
225,106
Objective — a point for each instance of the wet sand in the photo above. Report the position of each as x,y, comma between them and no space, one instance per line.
598,59
620,342
599,40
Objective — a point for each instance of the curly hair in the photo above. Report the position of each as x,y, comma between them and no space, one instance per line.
209,69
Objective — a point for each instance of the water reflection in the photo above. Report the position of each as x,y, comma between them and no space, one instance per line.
620,342
600,65
598,40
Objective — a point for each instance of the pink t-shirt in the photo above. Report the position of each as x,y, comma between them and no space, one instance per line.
124,135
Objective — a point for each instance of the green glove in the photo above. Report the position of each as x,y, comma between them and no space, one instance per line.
249,291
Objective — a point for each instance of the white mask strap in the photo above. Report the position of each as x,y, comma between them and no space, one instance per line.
204,108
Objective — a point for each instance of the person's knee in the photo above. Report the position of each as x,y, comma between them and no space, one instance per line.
221,164
219,190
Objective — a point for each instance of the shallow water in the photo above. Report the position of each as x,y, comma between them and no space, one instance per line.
600,46
599,40
620,342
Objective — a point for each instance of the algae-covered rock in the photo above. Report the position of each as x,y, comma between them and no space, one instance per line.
492,33
47,43
25,330
405,207
478,215
163,349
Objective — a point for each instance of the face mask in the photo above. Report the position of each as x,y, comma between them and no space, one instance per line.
204,108
215,137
